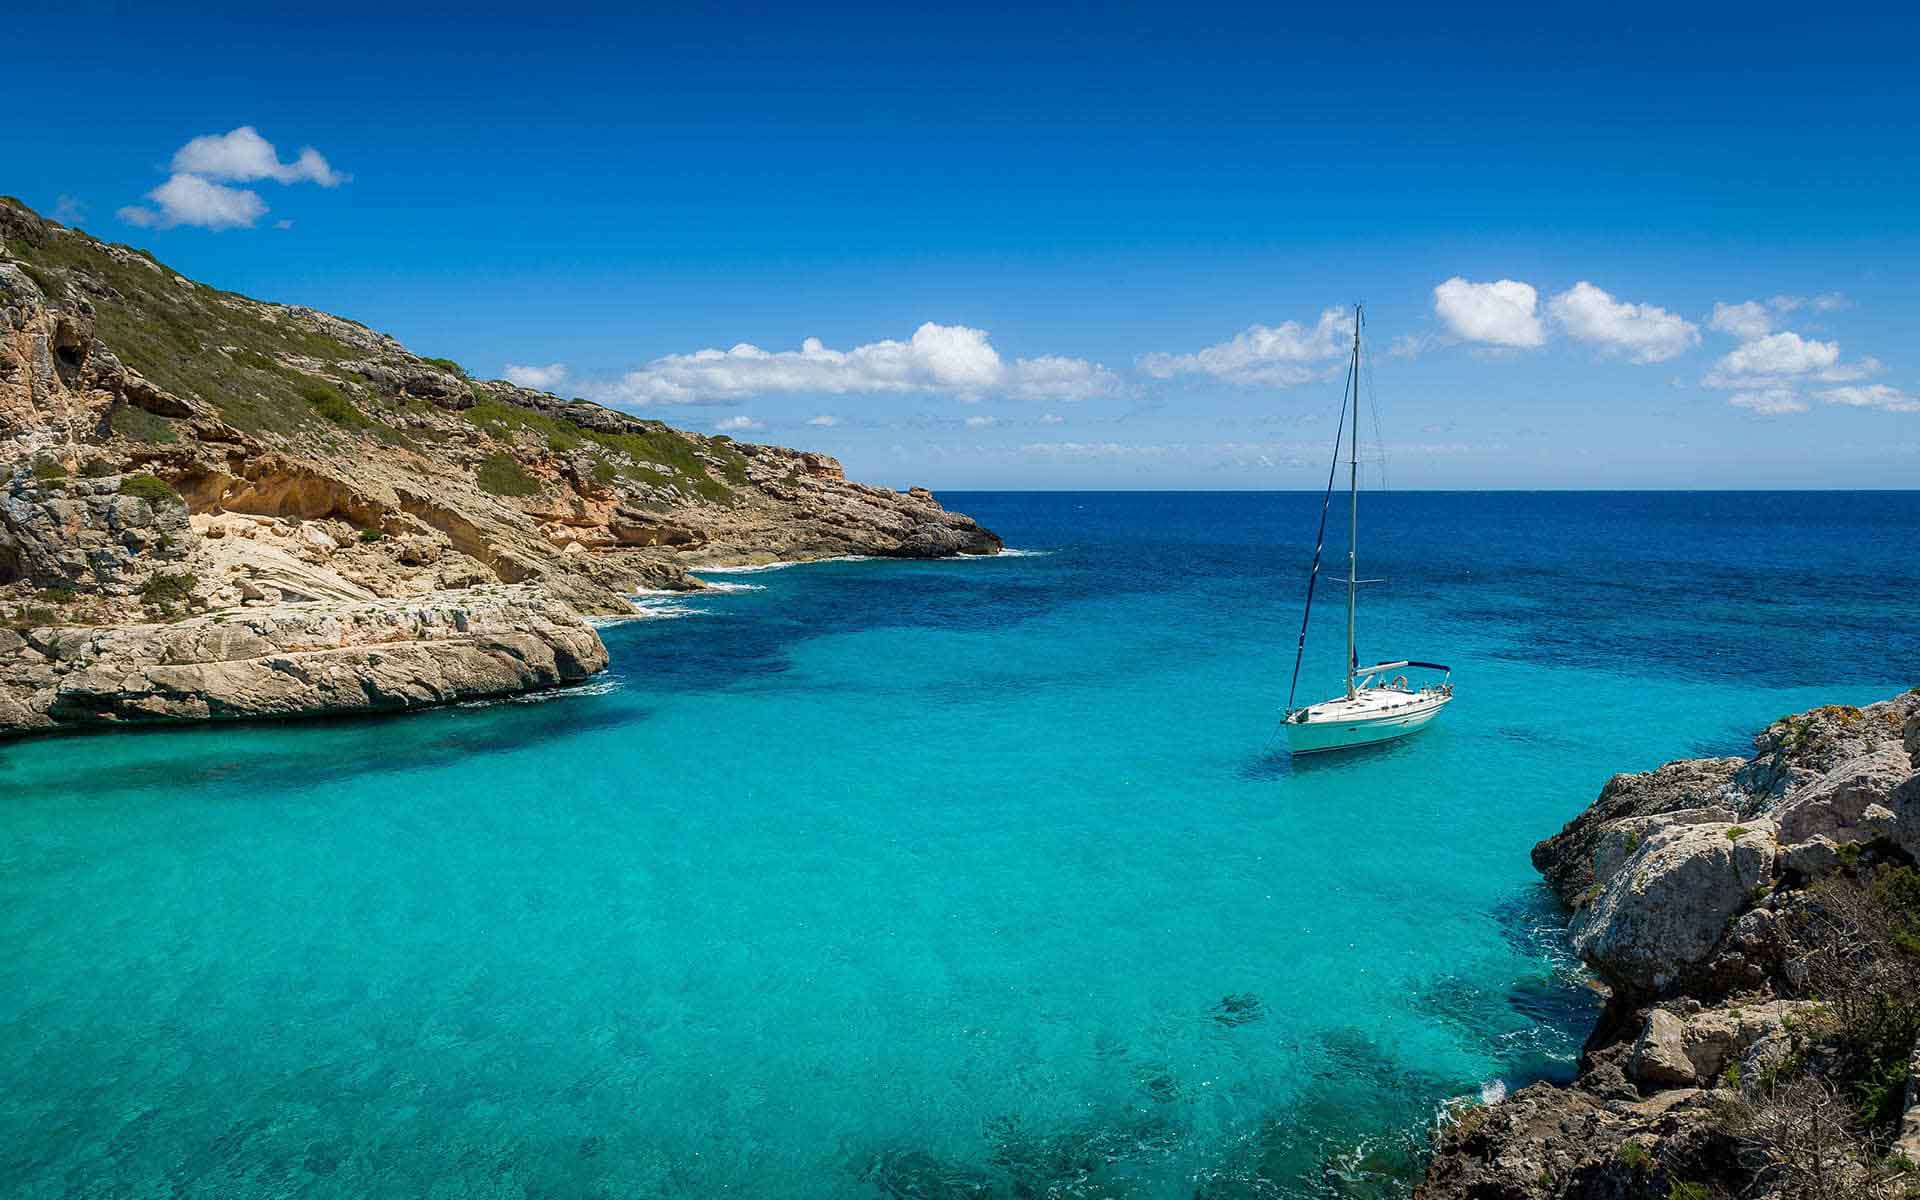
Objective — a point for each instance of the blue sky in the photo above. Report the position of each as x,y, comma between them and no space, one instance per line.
1071,206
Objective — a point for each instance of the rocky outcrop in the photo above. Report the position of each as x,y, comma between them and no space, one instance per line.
169,451
1757,922
296,660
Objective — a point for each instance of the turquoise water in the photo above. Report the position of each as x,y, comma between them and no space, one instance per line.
978,878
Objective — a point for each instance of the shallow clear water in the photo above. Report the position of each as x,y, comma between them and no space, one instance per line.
909,879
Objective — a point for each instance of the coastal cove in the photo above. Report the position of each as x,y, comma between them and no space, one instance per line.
982,876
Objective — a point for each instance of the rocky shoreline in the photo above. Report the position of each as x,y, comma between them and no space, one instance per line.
212,507
1756,925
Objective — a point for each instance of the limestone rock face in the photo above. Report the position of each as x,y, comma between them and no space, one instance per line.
1567,858
1667,905
81,533
298,660
1835,803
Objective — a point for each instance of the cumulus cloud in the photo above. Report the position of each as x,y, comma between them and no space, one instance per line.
1643,332
242,156
1502,313
736,424
191,200
528,375
949,359
1748,319
1274,356
1770,401
199,191
1778,354
824,420
1767,372
1873,395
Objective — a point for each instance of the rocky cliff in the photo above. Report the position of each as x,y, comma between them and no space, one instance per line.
1757,924
177,461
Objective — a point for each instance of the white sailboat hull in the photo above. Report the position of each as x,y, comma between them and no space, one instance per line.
1373,715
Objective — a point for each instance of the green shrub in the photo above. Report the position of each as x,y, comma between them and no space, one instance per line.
48,467
1681,1190
502,475
150,488
1736,833
1634,1156
1897,890
329,403
99,468
59,595
448,365
51,285
139,425
372,535
164,589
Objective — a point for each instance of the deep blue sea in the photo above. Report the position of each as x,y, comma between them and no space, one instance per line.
878,879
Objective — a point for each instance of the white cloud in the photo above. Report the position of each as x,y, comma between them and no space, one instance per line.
530,376
951,359
1051,377
737,424
1092,449
191,200
69,211
1784,353
195,194
980,422
243,156
1828,301
1052,419
1873,395
1502,313
1645,333
1276,356
283,223
1746,320
1770,401
824,420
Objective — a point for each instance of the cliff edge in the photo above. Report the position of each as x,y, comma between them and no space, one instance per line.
1756,922
178,463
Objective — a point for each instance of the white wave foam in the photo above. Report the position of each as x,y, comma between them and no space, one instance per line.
783,564
1010,552
1493,1091
651,606
600,687
724,587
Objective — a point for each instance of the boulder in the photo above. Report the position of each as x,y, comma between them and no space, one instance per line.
1660,915
1660,1056
1834,803
1567,858
1812,858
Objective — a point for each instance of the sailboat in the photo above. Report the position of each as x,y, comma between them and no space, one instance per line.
1380,704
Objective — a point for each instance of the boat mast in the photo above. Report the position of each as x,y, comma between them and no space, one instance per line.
1353,505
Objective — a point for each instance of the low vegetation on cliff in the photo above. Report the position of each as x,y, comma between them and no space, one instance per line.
175,452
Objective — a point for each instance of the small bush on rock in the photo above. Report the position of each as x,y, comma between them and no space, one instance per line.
150,488
165,589
502,475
